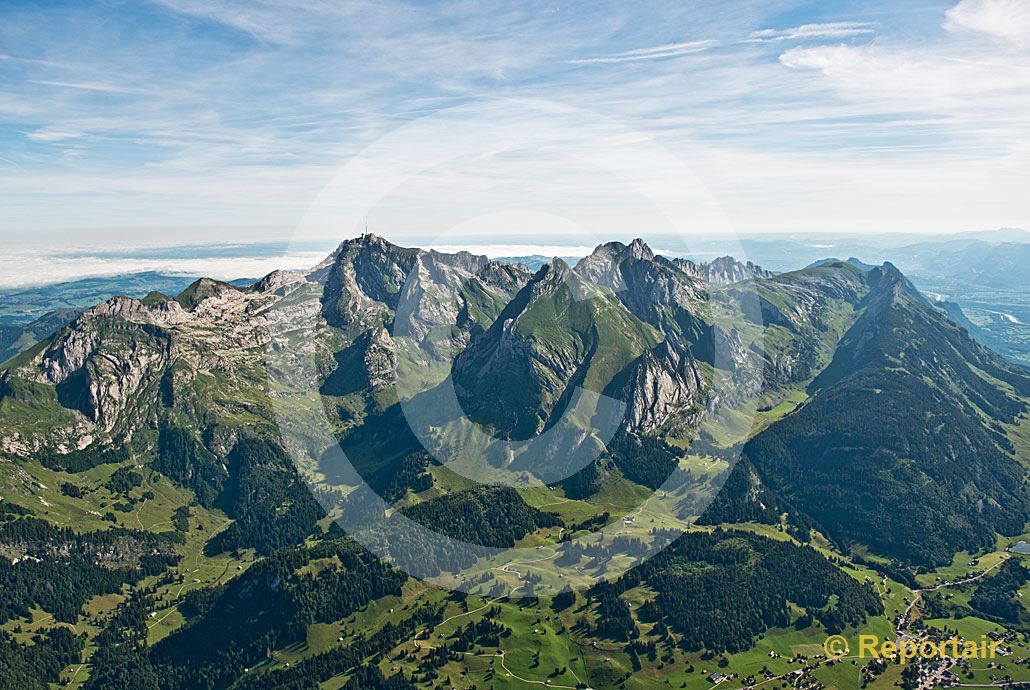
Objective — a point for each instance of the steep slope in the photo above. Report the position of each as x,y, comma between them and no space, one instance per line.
15,339
655,289
792,322
900,447
558,333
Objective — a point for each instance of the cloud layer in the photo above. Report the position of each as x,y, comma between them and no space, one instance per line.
223,119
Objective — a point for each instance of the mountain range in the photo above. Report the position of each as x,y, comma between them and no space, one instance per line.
811,448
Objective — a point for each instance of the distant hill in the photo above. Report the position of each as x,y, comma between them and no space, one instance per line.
28,315
852,260
23,305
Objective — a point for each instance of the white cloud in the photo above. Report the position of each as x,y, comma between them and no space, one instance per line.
1006,20
243,128
101,87
929,80
814,31
657,52
50,134
25,268
255,18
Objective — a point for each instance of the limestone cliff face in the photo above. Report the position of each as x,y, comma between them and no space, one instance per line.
443,290
109,365
119,365
369,281
652,287
724,270
380,359
665,381
108,357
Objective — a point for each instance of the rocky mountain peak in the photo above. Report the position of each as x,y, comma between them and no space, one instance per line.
639,250
368,239
367,279
725,270
203,289
276,280
550,276
607,264
616,251
368,244
890,284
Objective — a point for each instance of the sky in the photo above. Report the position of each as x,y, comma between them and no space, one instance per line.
185,121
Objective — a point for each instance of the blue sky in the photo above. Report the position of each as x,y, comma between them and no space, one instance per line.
178,121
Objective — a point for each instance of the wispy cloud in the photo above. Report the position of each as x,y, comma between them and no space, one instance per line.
814,31
101,87
233,114
1006,20
255,17
668,50
48,134
939,79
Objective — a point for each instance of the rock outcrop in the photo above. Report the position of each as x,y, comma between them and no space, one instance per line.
665,381
723,271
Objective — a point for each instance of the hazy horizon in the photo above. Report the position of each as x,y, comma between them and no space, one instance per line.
238,260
